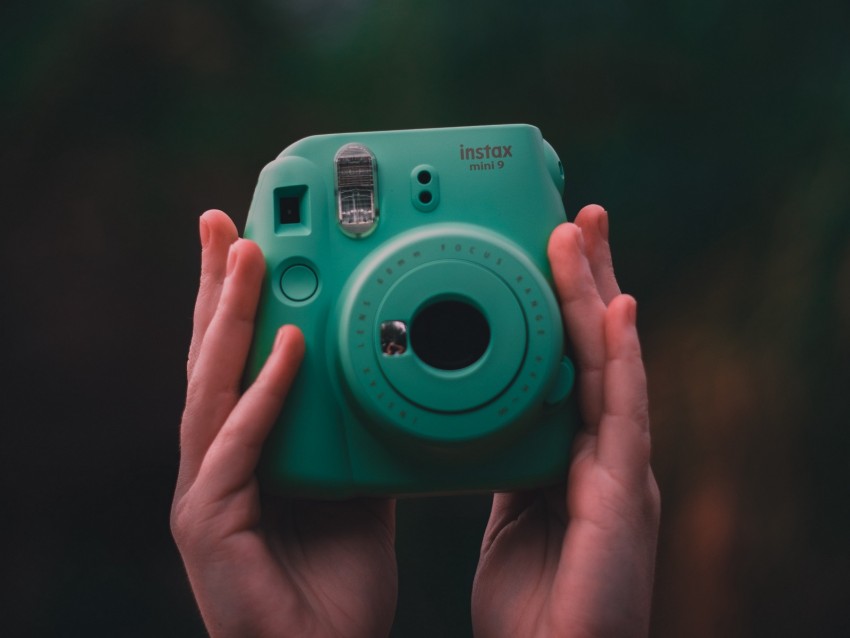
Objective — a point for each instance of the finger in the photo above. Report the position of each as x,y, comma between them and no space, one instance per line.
232,458
593,221
217,234
584,316
624,442
505,509
214,387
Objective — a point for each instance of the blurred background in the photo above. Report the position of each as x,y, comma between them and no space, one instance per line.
716,134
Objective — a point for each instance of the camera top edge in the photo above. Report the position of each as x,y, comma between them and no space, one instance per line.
377,134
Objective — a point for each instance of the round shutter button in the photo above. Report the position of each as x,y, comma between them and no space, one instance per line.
299,283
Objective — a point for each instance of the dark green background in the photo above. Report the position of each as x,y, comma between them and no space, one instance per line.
717,134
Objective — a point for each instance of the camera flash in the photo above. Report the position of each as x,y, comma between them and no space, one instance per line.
356,171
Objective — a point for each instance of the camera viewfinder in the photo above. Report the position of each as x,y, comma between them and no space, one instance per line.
289,210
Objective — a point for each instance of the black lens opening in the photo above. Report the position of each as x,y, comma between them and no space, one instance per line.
450,335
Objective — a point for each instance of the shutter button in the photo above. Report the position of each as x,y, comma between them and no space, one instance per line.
299,283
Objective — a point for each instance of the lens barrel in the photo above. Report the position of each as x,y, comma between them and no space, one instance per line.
484,333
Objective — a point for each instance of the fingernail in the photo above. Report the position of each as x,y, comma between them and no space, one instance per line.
602,223
278,339
204,229
580,239
232,258
633,311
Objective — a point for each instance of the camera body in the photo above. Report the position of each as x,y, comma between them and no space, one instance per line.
415,264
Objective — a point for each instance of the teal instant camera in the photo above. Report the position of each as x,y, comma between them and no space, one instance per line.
415,264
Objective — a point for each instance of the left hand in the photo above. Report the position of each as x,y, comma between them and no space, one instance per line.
578,560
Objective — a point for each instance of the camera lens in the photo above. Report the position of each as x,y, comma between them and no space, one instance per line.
449,335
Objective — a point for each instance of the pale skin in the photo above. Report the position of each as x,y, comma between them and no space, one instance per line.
574,560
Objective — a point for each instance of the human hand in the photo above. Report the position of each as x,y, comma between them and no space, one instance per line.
264,568
579,560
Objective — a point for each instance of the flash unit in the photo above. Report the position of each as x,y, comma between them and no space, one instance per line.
356,172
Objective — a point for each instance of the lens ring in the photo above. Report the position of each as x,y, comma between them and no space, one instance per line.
392,400
473,380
